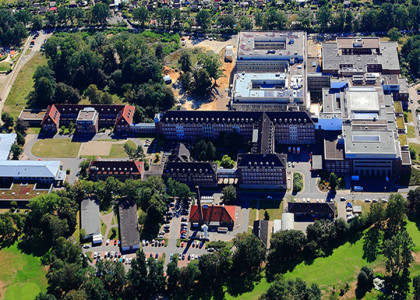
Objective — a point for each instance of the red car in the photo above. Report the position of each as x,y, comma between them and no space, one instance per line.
115,242
183,231
182,244
163,242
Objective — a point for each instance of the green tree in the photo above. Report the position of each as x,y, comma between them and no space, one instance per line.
305,17
7,120
290,289
227,162
364,281
159,51
185,61
133,152
246,23
297,182
141,14
333,181
258,18
100,12
249,254
211,62
394,34
16,151
395,212
203,19
229,194
324,18
413,198
416,287
137,276
202,81
266,216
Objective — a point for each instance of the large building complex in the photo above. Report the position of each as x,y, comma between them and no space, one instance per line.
363,134
271,72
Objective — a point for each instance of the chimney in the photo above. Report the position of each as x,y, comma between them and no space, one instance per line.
200,211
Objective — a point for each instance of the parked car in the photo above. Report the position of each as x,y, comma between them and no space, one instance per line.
184,219
95,255
189,257
107,242
157,255
368,200
210,250
115,242
179,256
182,244
201,245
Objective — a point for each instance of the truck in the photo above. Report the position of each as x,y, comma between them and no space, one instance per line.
355,178
358,188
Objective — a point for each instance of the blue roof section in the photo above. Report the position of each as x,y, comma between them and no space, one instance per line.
6,142
337,85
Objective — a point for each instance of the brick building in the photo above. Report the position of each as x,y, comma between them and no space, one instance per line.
121,170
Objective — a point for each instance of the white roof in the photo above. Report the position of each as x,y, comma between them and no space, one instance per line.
6,142
287,221
27,168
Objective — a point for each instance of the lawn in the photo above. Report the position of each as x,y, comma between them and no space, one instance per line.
274,209
23,85
117,150
22,276
411,131
5,66
103,228
111,235
347,261
56,148
76,233
20,192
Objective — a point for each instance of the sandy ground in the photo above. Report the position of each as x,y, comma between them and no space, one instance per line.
97,147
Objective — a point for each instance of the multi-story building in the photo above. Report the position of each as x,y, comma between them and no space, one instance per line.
271,72
87,121
203,174
289,127
119,116
121,170
262,171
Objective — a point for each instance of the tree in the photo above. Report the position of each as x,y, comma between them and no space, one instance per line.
413,198
258,17
66,94
305,17
211,62
44,90
100,12
413,153
137,275
266,216
202,81
16,151
282,289
274,19
364,281
24,16
394,34
173,273
141,14
249,254
227,162
7,120
395,212
398,252
416,287
133,152
229,194
159,51
324,18
371,243
245,23
203,19
227,21
112,275
185,61
286,250
84,165
187,277
333,181
297,182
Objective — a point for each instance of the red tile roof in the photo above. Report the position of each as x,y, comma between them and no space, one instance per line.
215,213
52,115
127,114
116,167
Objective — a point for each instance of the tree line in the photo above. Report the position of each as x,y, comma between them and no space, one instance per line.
101,68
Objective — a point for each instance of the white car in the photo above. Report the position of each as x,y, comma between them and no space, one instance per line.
374,200
384,200
368,200
289,164
107,242
95,255
111,254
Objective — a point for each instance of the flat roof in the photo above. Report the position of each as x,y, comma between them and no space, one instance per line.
90,216
264,86
87,114
128,224
29,168
32,114
332,58
292,42
332,149
363,100
6,142
370,143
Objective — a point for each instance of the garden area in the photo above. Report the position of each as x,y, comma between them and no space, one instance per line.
55,148
21,192
22,276
5,67
331,182
297,182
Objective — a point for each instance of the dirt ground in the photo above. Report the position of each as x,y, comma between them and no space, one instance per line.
218,98
97,147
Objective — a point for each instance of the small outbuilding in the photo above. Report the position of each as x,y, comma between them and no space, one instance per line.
91,222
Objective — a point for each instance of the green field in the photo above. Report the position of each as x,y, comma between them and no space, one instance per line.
411,131
22,276
346,261
56,148
5,66
24,83
117,150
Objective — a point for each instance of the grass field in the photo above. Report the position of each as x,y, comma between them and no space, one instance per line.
117,150
103,228
347,261
24,83
22,276
56,148
5,66
417,148
411,131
